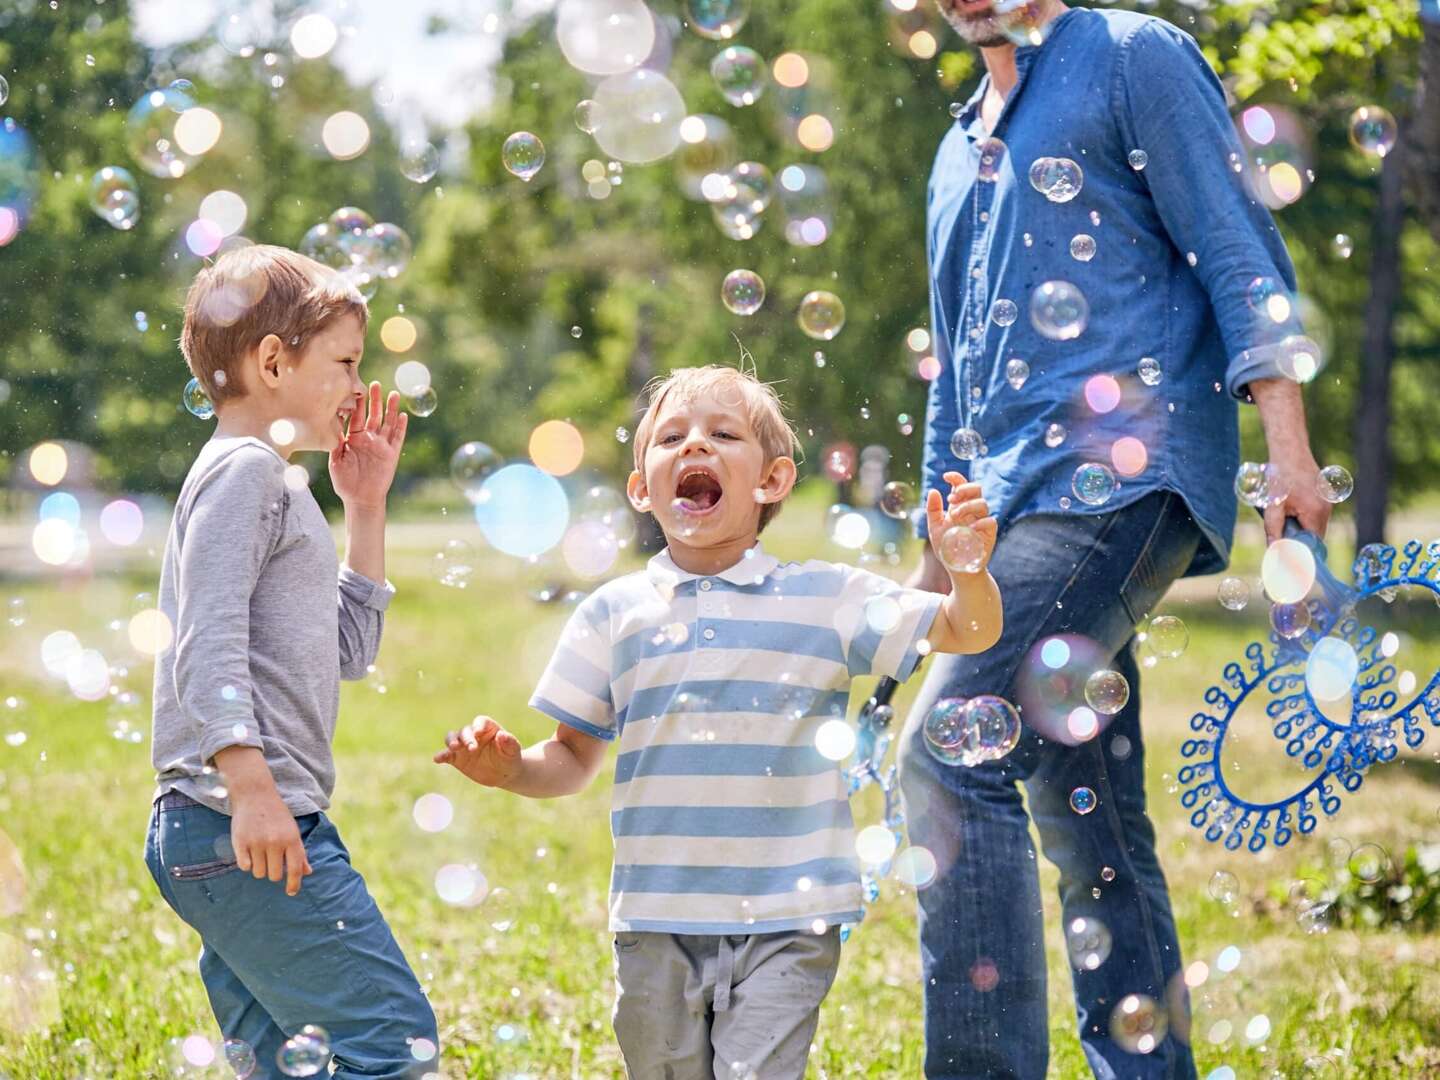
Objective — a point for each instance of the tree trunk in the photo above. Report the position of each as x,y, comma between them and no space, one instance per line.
1424,132
1372,412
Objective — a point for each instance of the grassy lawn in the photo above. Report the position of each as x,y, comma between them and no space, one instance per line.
533,1000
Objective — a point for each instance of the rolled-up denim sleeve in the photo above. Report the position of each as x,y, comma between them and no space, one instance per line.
1170,104
942,408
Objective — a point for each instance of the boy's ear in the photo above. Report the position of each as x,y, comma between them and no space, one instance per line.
267,360
637,491
777,481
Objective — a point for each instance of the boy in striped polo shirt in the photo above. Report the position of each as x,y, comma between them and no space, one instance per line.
713,667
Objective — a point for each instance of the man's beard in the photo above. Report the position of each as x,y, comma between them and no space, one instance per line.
982,31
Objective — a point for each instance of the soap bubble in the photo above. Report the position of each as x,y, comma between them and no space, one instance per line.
1233,593
1054,435
470,465
1107,692
1083,800
1082,247
197,402
1022,21
390,250
421,404
419,160
240,1056
897,500
351,221
4,90
1138,1024
1138,159
1004,312
992,155
962,549
718,20
966,444
461,885
1058,179
742,292
739,72
1334,483
1167,636
585,116
916,866
1149,371
1016,372
1331,668
1290,620
433,812
822,315
1343,245
1260,485
155,137
1224,886
958,731
846,526
875,844
705,155
1369,863
114,197
835,739
1088,941
523,154
1373,130
637,116
306,1053
1287,570
605,37
522,510
1059,311
1094,483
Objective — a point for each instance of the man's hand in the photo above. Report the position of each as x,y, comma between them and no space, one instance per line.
266,839
483,751
1299,473
363,466
966,509
1282,415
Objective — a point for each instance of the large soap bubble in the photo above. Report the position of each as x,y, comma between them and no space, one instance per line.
605,37
637,116
522,510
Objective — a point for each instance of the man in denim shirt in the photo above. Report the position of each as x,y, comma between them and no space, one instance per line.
1163,245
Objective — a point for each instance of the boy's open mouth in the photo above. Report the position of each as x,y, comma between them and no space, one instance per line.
698,491
344,415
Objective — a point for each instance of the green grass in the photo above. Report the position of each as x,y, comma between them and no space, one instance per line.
74,801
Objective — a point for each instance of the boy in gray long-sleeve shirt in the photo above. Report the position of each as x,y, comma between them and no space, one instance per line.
266,623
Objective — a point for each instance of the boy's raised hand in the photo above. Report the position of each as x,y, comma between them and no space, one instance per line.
483,751
966,507
363,466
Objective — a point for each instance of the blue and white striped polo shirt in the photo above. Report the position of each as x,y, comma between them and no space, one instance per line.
726,818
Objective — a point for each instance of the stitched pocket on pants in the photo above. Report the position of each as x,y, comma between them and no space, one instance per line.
203,871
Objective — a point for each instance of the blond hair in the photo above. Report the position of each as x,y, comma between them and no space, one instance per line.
250,293
732,387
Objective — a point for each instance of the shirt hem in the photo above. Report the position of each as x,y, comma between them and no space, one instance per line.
759,926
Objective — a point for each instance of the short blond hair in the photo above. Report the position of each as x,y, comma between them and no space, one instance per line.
250,293
739,387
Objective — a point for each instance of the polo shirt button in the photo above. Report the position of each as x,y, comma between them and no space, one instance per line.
709,633
705,585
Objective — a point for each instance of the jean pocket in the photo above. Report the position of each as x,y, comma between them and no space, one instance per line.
203,871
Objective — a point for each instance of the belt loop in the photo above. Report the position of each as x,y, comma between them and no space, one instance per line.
724,974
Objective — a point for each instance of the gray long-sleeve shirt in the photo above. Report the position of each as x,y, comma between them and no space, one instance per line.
262,635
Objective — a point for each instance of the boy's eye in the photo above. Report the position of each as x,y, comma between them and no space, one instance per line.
670,438
725,435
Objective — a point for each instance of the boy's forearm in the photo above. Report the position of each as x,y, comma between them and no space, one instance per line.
549,770
970,618
365,541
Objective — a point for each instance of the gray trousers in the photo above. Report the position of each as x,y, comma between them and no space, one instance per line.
742,1007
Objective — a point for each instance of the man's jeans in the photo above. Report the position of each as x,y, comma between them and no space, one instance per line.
981,926
273,963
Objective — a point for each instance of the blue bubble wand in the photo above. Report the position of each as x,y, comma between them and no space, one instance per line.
1342,750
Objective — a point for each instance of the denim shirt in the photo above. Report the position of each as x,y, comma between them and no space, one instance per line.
1177,245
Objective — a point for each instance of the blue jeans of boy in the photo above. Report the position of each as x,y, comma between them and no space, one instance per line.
981,925
273,963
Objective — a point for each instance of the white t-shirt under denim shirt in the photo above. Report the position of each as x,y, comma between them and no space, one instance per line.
266,624
725,816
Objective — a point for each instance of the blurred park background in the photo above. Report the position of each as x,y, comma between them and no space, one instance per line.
538,308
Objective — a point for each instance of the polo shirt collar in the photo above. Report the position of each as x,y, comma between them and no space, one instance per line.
754,566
